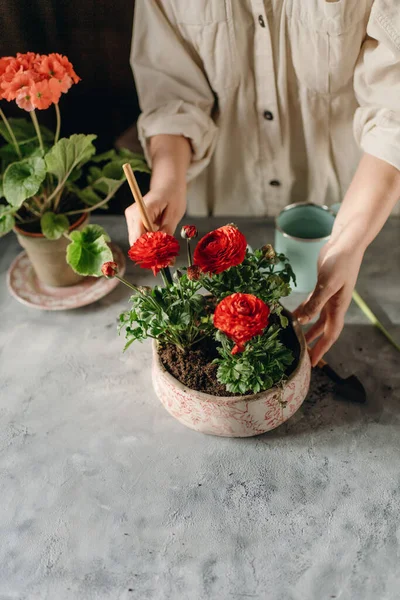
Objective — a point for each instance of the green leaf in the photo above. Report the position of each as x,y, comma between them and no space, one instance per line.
53,226
88,250
68,154
1,187
23,179
109,155
24,131
7,220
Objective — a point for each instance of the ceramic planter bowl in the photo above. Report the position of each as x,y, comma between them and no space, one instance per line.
234,416
48,256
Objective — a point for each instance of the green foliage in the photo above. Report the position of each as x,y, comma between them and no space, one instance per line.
103,181
24,132
88,250
23,179
69,154
7,220
268,279
259,367
53,226
175,314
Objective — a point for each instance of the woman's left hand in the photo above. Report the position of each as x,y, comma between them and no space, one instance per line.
338,270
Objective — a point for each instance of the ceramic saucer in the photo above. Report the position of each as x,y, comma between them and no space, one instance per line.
24,285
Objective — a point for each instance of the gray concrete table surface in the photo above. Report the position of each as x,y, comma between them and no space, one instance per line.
105,496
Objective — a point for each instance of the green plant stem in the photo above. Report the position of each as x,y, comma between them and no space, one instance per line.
57,201
90,208
129,285
58,127
37,129
10,131
167,277
189,254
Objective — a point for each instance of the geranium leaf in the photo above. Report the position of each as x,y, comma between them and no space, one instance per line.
109,155
23,179
68,154
7,220
88,250
53,226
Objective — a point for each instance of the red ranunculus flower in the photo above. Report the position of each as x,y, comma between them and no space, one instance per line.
109,269
241,317
188,232
220,249
154,250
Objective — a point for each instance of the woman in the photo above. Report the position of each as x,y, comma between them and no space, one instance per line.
260,103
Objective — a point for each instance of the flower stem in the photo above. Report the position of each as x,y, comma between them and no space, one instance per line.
58,127
167,277
37,129
189,254
11,133
129,285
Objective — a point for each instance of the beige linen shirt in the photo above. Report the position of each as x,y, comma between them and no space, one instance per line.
279,98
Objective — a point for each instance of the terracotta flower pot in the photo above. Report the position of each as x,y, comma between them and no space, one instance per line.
48,256
235,416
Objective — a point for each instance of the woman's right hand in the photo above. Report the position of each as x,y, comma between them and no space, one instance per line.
166,200
165,207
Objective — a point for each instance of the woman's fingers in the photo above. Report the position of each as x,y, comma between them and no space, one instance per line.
316,330
331,333
134,223
312,307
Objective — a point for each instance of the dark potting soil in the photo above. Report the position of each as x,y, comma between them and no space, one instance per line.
194,367
68,203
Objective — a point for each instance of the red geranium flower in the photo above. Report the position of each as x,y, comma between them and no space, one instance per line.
34,80
154,250
241,317
12,85
44,93
220,249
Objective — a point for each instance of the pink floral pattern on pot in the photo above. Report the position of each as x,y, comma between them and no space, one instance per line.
239,416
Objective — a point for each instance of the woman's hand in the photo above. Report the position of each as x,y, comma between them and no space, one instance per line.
166,200
373,193
165,207
338,268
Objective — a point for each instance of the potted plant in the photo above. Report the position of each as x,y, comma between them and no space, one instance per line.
49,185
229,361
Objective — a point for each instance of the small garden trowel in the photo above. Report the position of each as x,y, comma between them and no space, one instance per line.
350,389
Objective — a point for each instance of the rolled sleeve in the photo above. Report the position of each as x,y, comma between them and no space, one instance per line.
174,94
377,85
181,118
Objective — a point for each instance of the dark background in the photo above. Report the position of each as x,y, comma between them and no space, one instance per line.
96,37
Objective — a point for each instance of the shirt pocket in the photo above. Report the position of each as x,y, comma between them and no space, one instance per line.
326,37
207,25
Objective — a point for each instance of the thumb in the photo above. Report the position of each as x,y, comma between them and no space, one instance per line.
314,304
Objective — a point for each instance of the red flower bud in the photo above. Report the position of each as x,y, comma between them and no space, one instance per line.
188,232
109,269
193,273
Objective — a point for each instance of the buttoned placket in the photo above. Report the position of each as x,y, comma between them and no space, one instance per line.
269,131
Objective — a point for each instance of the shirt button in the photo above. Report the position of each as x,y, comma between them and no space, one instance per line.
275,183
261,20
268,115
